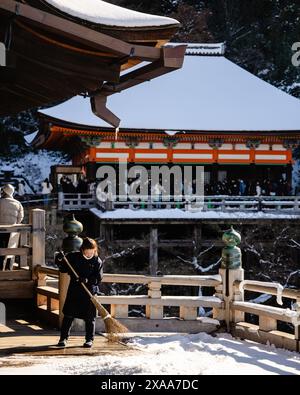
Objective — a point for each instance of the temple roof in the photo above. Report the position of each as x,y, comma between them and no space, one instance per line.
103,13
210,93
55,51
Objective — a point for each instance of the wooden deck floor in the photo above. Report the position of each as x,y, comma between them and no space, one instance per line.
20,337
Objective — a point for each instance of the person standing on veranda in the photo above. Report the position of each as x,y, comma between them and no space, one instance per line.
46,191
11,213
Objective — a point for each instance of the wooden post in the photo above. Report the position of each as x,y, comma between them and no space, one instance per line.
234,295
54,304
53,216
38,239
197,235
108,233
154,292
237,295
267,324
47,213
41,278
297,327
60,201
102,231
119,310
41,300
219,314
188,313
64,281
23,242
153,251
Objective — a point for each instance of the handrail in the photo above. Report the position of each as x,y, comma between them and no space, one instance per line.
286,293
208,281
15,228
203,281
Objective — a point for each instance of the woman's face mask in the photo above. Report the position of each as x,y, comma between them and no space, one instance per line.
88,254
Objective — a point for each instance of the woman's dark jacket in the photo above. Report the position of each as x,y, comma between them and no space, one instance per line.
78,304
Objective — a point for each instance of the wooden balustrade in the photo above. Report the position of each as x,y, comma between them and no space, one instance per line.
29,246
218,203
119,304
73,201
228,305
269,316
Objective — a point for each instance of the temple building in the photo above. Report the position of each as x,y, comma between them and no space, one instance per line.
210,112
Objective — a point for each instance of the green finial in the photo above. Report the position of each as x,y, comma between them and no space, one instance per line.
73,228
231,254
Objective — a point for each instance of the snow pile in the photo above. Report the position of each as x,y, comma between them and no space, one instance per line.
102,13
198,354
34,167
181,214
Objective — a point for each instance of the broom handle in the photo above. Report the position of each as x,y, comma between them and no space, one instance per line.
76,275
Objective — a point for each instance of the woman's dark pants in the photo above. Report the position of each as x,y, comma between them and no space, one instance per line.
66,328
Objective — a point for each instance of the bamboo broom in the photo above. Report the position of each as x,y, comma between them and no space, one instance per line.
113,328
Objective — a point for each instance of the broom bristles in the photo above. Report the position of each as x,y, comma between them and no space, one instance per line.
113,328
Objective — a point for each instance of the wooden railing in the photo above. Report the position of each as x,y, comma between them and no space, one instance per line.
228,305
289,204
47,296
27,241
155,301
75,201
269,317
51,299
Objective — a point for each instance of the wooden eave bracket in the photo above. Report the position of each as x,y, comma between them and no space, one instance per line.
172,58
98,104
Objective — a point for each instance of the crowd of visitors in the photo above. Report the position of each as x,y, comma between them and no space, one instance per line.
239,187
83,185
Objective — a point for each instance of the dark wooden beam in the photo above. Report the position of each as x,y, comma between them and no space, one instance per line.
172,59
153,251
78,32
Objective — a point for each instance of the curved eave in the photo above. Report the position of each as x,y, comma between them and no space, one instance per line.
148,33
48,139
55,58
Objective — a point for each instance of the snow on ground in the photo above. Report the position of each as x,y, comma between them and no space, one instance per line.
35,167
177,213
198,354
103,13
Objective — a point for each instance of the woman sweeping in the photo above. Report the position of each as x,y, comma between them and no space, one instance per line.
89,268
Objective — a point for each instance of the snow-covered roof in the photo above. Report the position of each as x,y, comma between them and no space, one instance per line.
102,13
203,49
209,93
